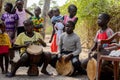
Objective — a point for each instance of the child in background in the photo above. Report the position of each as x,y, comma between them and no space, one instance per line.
72,10
10,20
59,29
37,21
4,48
22,15
55,19
50,13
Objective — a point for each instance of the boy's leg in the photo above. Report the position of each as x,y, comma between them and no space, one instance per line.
53,61
23,60
1,63
46,61
77,66
6,63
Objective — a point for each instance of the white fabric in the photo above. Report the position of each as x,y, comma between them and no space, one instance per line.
22,17
59,30
115,53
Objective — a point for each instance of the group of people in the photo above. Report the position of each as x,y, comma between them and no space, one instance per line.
63,40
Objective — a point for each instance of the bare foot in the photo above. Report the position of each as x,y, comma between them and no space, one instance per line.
46,73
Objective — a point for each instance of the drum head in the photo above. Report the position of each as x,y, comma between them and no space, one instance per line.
64,68
34,49
91,69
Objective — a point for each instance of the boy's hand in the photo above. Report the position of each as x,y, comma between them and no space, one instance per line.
89,55
68,57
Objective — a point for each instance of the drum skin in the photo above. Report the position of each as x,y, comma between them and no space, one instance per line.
64,68
34,49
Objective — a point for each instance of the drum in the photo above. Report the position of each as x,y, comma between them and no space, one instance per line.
64,68
91,69
34,52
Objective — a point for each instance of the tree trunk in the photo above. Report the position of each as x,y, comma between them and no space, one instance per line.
25,3
44,15
1,1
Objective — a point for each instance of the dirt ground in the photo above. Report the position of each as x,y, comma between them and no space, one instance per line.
21,73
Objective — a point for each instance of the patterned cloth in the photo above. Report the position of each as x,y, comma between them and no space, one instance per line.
38,23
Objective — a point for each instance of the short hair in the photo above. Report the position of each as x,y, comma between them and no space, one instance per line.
28,21
72,5
71,23
106,16
56,9
37,7
9,4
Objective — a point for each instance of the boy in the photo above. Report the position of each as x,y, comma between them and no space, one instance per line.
70,46
22,41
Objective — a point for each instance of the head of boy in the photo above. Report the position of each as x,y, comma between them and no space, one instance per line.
19,4
72,9
2,28
69,27
56,12
8,7
28,26
37,11
103,19
50,13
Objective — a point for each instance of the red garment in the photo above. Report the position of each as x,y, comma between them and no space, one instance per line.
54,47
4,49
102,36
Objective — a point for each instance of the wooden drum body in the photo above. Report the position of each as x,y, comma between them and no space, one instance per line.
34,52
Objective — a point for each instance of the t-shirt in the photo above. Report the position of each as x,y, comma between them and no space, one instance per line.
67,18
23,39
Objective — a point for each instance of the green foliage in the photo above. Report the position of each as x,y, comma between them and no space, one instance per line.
87,13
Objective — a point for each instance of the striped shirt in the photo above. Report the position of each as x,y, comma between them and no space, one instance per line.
9,20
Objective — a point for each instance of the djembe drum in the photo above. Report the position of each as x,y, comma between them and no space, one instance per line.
34,52
64,68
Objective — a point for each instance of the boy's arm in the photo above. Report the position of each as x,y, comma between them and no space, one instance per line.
117,34
42,42
53,32
29,12
76,19
93,49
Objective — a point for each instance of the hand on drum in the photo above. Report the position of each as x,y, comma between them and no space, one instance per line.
68,57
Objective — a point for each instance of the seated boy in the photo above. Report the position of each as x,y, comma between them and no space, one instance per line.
22,41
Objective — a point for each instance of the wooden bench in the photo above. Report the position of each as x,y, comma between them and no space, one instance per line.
115,60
